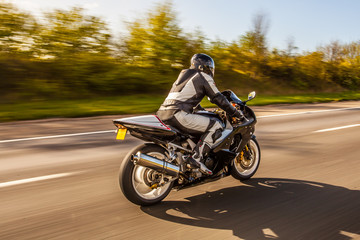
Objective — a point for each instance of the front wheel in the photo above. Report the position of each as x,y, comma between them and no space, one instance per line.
245,165
141,185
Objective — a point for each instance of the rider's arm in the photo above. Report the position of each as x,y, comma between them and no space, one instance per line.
219,99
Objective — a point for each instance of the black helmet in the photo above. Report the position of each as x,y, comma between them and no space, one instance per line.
204,63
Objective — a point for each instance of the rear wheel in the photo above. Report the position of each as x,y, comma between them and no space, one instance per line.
247,162
141,185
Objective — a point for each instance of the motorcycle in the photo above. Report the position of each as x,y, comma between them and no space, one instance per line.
151,170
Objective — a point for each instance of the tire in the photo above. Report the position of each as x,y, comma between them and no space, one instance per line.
133,178
246,168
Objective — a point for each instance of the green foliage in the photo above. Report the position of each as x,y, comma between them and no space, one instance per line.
66,33
157,41
71,55
157,48
16,29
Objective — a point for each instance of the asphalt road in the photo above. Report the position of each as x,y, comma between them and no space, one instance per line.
307,186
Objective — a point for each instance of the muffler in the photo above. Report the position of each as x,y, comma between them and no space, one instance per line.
158,165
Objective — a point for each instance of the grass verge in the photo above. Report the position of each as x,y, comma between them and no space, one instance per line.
137,104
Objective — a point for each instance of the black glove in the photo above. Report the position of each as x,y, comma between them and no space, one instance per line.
239,114
224,104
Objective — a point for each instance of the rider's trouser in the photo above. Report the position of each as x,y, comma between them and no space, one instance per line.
210,129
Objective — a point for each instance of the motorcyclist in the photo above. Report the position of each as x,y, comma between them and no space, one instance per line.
189,89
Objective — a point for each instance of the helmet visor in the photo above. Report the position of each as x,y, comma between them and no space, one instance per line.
211,66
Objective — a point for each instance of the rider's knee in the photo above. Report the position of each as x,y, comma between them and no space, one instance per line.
216,135
217,130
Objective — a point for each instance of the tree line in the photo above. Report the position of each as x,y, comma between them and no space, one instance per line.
69,54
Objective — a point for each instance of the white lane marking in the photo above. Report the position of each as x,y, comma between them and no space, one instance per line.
268,233
307,112
351,235
36,179
109,131
55,136
336,128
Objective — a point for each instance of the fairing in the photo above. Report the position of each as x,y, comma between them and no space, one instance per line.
246,130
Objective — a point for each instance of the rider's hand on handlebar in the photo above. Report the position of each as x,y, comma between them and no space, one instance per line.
239,115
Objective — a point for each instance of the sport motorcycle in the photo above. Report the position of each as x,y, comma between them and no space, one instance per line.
150,171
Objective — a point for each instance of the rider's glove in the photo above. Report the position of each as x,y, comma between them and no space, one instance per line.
239,114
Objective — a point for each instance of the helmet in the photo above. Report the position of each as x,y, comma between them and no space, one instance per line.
204,63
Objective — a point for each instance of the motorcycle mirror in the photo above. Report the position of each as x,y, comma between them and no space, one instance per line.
251,95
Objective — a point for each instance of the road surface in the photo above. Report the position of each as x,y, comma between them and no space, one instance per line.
58,184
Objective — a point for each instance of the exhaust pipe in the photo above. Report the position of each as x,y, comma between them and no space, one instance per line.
158,165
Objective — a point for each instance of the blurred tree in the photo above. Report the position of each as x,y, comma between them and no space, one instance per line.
231,65
254,41
157,41
254,45
70,32
283,66
76,47
342,63
156,48
16,29
312,72
16,39
222,55
195,43
70,54
333,52
351,53
290,47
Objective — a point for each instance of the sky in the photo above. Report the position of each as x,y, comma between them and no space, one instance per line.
310,23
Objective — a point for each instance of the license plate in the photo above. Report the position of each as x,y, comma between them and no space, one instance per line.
121,134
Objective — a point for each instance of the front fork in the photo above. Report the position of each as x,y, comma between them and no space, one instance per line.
245,152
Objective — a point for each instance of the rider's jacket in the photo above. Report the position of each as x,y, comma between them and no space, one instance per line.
188,91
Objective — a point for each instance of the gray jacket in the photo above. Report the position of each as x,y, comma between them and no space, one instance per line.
188,91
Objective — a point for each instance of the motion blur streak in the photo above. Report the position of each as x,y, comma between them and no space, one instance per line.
308,112
109,131
35,179
56,136
337,128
